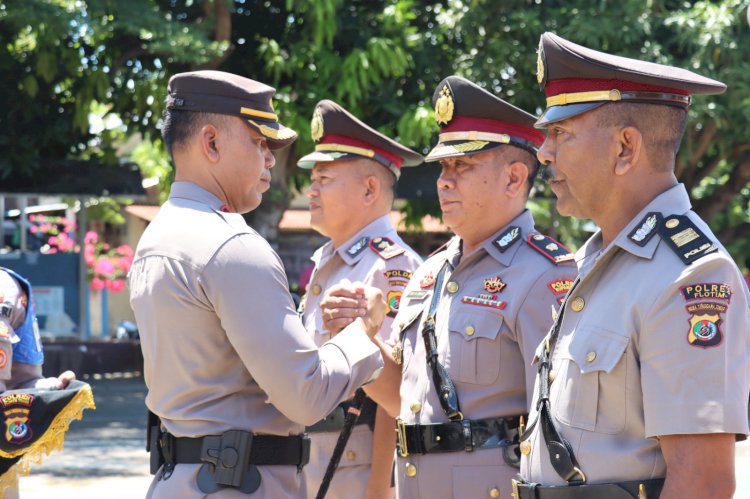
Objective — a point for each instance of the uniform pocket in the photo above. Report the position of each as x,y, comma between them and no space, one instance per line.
474,354
591,394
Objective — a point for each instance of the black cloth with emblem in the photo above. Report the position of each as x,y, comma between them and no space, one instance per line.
34,424
577,79
339,135
226,93
473,120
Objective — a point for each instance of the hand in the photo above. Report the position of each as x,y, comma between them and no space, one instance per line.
341,304
55,383
375,308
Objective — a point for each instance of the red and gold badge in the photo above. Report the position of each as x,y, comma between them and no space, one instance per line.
427,281
494,285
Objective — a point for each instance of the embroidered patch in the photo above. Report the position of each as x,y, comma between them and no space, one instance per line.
402,284
16,409
392,302
494,284
685,238
403,274
695,308
483,302
417,294
560,286
550,248
356,248
645,230
386,248
707,290
507,238
427,281
704,330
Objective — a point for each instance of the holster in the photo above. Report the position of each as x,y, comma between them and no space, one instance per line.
153,434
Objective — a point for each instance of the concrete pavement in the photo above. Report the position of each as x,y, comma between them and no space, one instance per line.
105,454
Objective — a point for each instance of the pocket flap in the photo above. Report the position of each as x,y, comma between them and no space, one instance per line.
596,349
476,322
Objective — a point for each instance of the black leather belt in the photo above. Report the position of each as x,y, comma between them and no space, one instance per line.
264,450
335,420
466,435
638,489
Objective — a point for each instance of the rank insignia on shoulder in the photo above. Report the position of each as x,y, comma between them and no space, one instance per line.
356,248
685,238
646,229
386,248
507,238
550,248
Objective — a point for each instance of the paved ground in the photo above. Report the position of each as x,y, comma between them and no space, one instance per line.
105,457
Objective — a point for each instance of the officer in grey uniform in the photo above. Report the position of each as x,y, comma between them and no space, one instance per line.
354,171
644,377
230,370
473,314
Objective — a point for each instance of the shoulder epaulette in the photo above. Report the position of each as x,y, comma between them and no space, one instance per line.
385,247
685,238
550,248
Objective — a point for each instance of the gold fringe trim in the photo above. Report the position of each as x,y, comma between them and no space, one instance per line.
52,440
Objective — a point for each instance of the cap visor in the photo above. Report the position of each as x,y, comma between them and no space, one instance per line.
277,134
559,113
309,160
459,148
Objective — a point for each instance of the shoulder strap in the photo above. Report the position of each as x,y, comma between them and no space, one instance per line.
385,247
550,248
685,238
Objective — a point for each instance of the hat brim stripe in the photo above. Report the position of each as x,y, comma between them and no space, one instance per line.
615,95
259,114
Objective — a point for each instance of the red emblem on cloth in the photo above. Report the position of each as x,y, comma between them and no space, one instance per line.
494,285
427,281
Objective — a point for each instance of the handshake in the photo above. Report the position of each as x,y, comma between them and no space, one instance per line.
349,302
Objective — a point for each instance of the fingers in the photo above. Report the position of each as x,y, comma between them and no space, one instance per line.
65,378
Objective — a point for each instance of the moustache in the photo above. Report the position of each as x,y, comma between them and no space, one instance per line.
547,174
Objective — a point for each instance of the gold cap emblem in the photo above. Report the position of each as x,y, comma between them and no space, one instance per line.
316,125
540,64
444,107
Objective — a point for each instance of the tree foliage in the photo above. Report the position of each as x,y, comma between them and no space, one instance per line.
379,58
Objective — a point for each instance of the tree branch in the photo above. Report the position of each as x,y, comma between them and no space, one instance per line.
709,206
222,18
691,174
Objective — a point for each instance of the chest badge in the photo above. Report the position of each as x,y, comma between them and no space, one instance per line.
494,284
427,281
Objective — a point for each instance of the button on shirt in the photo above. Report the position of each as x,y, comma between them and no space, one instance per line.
627,368
223,346
488,324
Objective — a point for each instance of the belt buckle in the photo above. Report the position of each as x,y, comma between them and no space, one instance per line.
514,488
403,450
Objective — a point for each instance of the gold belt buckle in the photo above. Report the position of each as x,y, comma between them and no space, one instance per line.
403,451
514,486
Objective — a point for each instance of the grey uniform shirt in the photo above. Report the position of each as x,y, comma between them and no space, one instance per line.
378,257
648,346
223,346
488,324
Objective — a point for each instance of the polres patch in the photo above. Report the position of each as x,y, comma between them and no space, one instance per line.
704,330
707,290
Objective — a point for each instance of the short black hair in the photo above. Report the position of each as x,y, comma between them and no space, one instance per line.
662,127
515,154
178,125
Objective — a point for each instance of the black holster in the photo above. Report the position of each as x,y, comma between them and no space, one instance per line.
153,435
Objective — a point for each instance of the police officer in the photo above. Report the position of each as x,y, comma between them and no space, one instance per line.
21,355
354,172
643,378
230,370
473,314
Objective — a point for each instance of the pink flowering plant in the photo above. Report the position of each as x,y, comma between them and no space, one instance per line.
107,266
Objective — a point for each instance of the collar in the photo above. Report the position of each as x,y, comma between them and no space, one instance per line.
511,237
354,248
639,237
193,192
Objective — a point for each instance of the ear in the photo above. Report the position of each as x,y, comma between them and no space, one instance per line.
209,137
630,148
518,175
373,187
